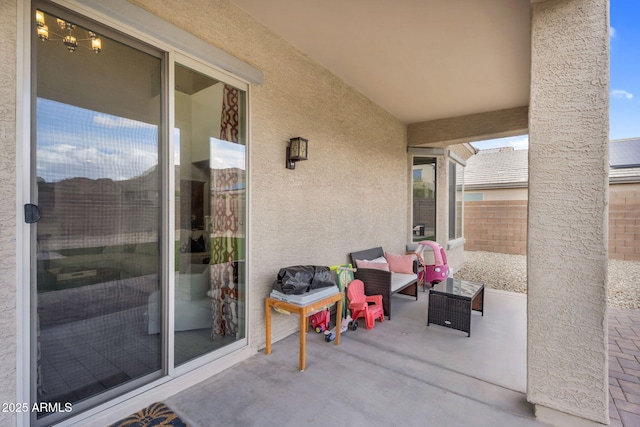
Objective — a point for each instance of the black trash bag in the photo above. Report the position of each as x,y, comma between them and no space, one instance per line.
298,279
294,280
323,277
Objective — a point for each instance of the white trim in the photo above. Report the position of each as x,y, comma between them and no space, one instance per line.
460,241
207,69
247,219
425,151
453,156
169,180
473,150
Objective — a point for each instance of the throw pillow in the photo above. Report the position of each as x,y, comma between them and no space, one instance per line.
371,264
400,263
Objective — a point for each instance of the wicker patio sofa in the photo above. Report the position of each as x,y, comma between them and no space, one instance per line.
385,283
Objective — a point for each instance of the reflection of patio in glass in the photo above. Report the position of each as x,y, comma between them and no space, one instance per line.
101,316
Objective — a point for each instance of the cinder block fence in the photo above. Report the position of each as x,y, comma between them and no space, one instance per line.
624,223
496,226
501,225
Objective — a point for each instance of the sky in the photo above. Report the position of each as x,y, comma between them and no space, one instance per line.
76,142
624,106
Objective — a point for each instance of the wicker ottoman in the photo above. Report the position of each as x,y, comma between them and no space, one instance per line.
451,302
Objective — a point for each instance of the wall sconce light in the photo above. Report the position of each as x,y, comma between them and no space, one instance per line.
297,150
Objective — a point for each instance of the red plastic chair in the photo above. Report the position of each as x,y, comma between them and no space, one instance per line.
360,307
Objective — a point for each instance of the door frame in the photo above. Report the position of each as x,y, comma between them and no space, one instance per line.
186,49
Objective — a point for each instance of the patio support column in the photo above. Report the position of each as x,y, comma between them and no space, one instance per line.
442,200
567,366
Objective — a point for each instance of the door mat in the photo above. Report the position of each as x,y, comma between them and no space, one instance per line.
157,415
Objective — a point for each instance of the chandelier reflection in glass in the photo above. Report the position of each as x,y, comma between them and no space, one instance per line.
69,40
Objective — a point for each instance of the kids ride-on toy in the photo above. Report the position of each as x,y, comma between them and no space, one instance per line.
320,321
347,323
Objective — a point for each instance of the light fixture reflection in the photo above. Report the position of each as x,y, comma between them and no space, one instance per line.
69,40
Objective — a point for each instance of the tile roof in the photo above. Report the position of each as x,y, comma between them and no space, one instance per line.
508,168
497,168
624,153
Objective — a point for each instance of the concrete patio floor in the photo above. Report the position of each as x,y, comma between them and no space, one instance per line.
399,373
405,373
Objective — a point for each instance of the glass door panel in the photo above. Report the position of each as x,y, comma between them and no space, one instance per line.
97,183
210,186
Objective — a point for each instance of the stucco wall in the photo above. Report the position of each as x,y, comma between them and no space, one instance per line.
567,232
469,128
330,204
501,193
7,208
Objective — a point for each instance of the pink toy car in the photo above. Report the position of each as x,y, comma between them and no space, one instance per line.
320,321
435,260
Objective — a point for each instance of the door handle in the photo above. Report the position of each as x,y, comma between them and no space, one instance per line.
31,213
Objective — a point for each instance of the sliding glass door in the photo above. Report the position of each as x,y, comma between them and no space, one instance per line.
97,185
210,187
120,288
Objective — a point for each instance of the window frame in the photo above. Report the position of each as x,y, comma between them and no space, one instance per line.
435,196
455,229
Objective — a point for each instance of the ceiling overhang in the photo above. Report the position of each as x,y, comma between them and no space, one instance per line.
420,60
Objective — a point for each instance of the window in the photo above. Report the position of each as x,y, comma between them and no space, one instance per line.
424,199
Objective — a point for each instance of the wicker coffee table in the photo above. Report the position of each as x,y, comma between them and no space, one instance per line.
451,302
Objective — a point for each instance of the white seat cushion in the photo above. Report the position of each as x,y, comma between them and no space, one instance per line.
400,280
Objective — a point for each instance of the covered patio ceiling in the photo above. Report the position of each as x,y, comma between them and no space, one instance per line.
420,60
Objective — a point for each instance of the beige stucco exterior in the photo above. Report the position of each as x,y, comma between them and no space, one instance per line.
354,187
469,128
567,271
8,327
